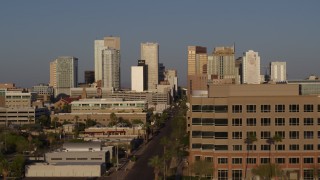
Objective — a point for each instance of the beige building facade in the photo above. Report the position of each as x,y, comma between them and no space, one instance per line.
220,123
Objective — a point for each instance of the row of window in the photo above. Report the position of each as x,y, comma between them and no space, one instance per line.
253,122
308,174
263,134
253,147
252,108
263,160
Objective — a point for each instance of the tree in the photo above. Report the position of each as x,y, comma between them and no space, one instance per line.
251,138
273,141
90,123
113,120
137,121
17,166
4,168
202,168
44,120
266,171
156,163
51,137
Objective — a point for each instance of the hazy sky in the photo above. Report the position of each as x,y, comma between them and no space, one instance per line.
33,33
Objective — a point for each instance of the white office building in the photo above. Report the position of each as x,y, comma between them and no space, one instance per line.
278,71
150,53
251,68
137,78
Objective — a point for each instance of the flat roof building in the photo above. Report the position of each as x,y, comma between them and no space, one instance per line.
220,123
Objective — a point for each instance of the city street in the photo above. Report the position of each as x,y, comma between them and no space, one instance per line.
141,169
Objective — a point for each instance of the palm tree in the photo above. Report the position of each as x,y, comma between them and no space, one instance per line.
4,168
156,163
166,155
251,138
273,140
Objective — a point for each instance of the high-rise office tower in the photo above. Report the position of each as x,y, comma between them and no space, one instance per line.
251,68
139,77
150,53
162,70
99,46
111,68
221,65
88,77
197,60
64,74
278,71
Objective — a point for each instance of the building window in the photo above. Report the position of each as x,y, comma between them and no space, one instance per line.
294,121
196,146
281,134
236,108
294,108
207,134
221,122
294,134
251,147
236,160
237,174
280,147
280,160
265,108
221,147
237,147
264,160
318,134
196,134
223,174
251,160
308,121
251,134
308,134
207,147
265,134
56,159
207,121
208,159
280,122
196,108
318,121
196,121
237,135
308,147
294,160
265,121
221,135
308,108
308,160
318,107
222,160
265,147
197,158
207,108
294,147
280,108
237,122
251,122
308,174
221,109
251,108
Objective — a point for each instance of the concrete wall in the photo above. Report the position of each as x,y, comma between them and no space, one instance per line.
45,170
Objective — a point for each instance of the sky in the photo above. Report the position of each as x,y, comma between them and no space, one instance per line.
35,32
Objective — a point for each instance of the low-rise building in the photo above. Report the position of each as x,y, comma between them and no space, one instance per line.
73,160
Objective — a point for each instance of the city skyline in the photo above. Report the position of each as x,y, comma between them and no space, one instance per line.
34,33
